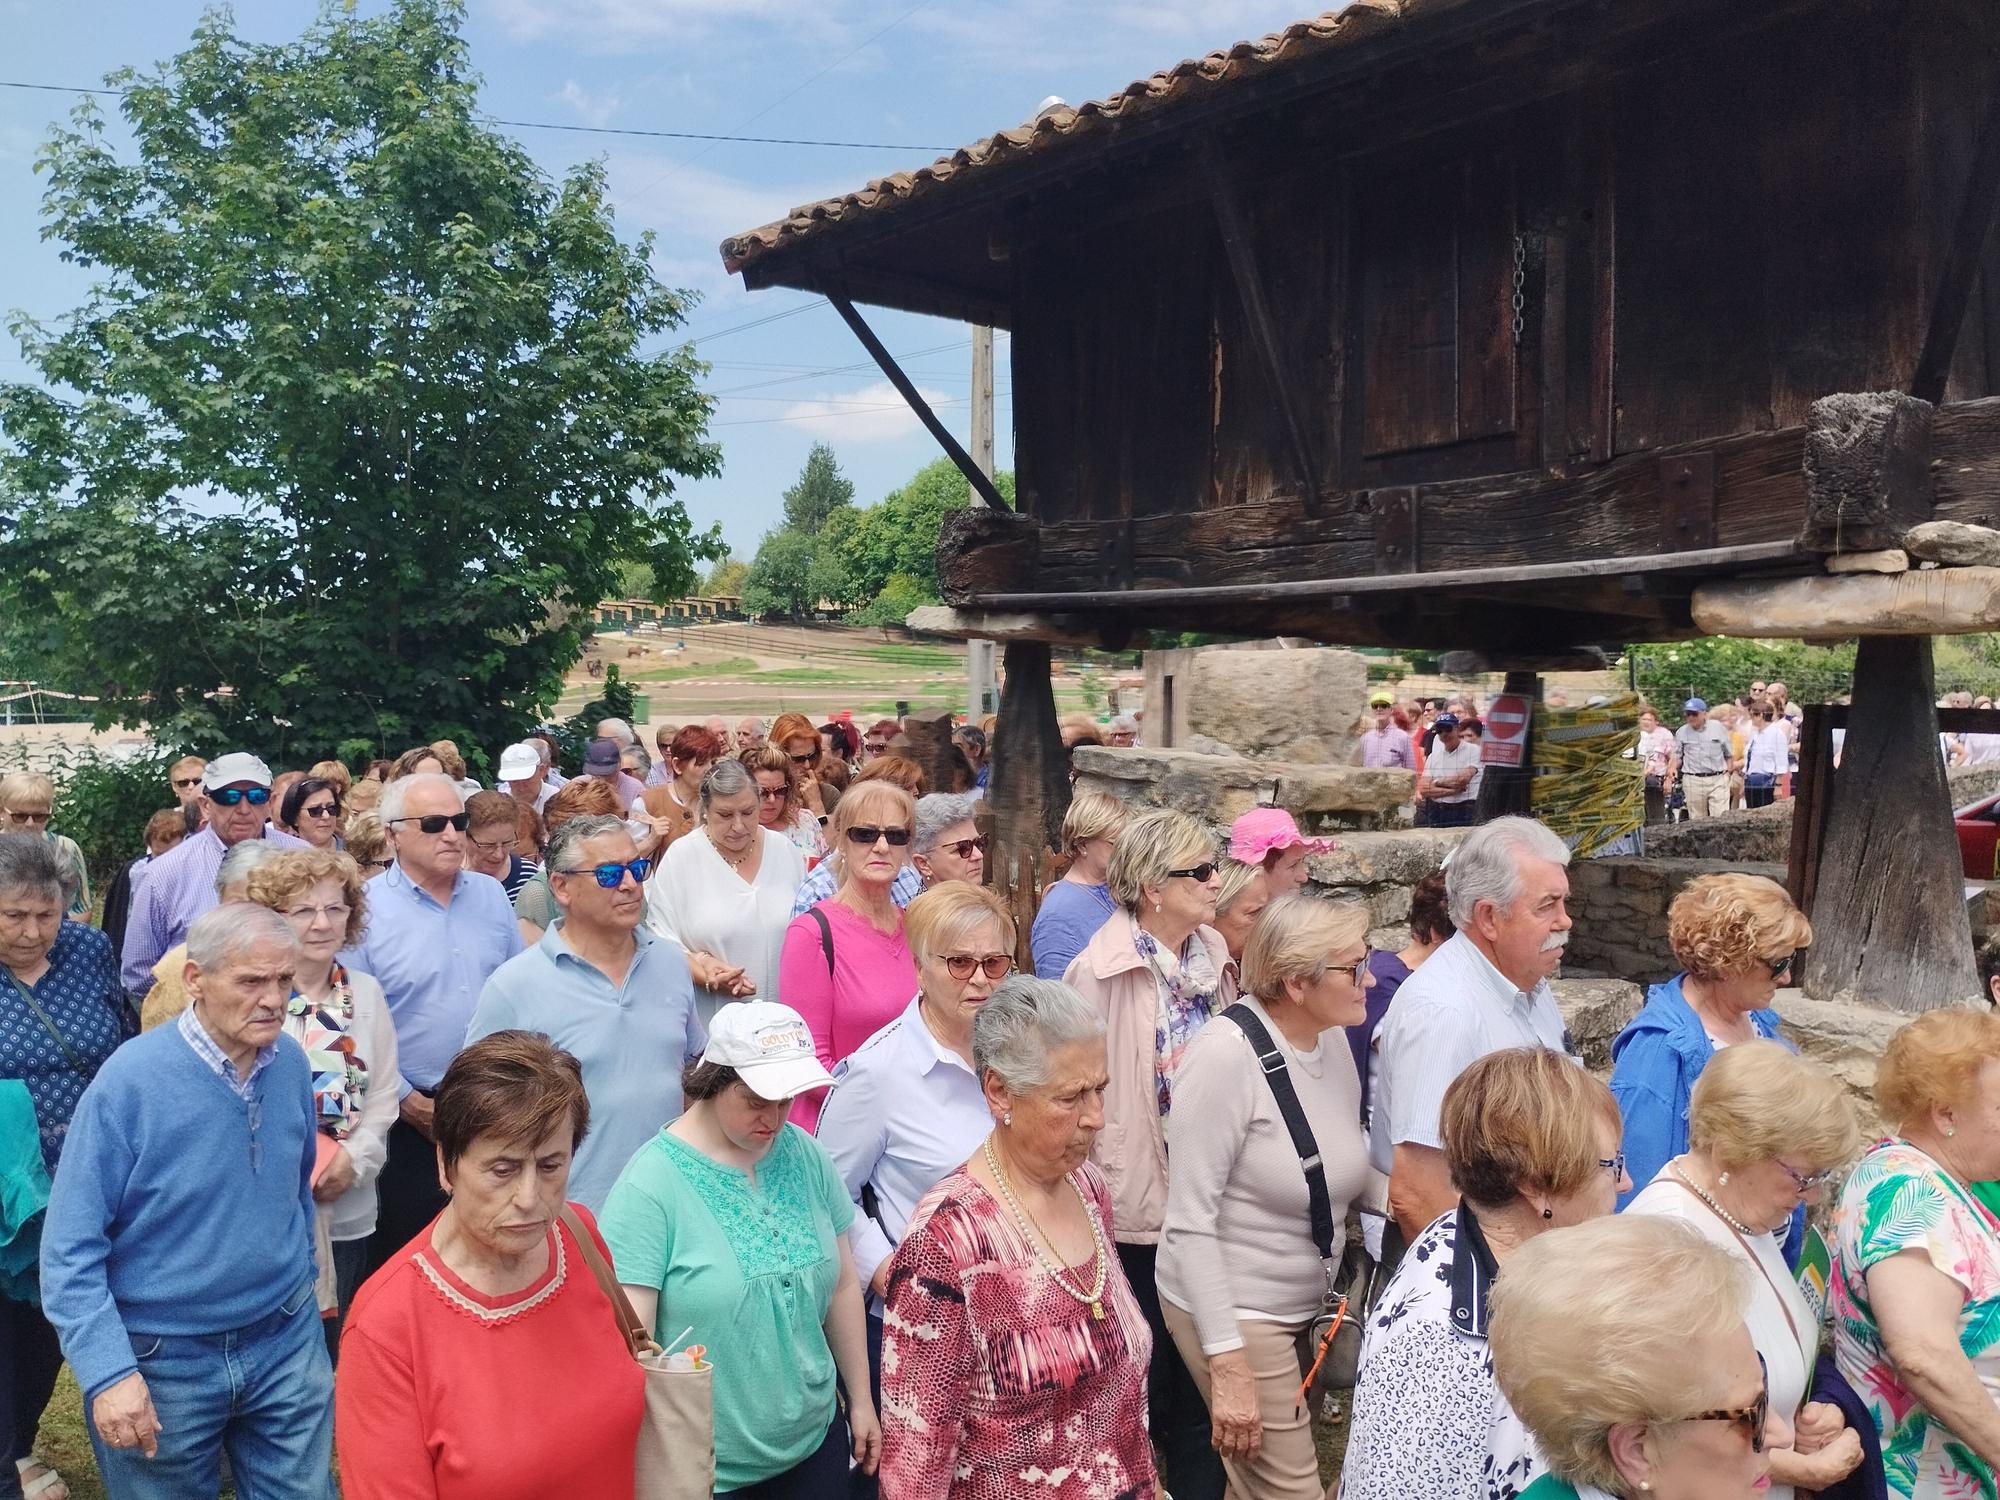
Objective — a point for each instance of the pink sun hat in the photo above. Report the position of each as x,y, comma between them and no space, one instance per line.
1264,829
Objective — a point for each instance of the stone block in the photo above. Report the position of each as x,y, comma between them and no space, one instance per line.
1220,788
1762,833
1595,1011
1954,543
1388,904
1402,855
1847,1038
1278,705
1889,560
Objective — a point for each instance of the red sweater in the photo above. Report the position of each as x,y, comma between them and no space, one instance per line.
446,1394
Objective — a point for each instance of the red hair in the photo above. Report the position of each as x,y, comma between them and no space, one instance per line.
693,744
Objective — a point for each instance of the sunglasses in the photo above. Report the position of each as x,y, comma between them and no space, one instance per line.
995,965
963,847
375,864
437,822
610,876
1781,965
863,835
1751,1418
773,793
27,817
1201,872
805,760
229,796
182,783
321,810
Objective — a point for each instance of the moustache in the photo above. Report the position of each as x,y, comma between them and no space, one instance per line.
1555,942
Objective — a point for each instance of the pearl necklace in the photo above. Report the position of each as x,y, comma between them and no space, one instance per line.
1060,1270
1727,1217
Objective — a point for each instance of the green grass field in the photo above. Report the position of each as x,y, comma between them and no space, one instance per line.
734,666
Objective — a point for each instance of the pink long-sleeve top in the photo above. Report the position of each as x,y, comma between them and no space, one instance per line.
872,979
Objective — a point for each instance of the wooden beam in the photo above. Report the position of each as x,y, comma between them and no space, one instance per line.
1943,601
981,625
1236,241
1952,292
1868,471
878,351
1023,811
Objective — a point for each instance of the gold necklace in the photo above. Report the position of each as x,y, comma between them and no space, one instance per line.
1061,1272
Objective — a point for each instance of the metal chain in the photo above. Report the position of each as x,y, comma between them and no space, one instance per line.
1520,282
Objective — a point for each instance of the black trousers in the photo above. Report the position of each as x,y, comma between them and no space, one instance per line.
820,1474
1176,1416
407,1192
1449,815
30,1360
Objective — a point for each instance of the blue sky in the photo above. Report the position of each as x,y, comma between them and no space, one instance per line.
936,74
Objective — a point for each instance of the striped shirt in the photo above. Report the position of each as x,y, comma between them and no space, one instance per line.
169,893
197,1037
821,882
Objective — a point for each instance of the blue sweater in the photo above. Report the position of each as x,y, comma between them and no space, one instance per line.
172,1214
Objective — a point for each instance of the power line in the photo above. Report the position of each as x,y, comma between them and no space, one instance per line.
790,312
869,364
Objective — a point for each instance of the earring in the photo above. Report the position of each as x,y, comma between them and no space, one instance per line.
1949,1132
1645,1484
1548,1213
1156,906
1007,1118
1722,1180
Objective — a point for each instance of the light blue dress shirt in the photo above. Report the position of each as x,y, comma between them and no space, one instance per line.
432,961
632,1040
903,1113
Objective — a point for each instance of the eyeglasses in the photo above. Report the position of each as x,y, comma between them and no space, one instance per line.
375,864
336,913
437,822
1353,970
864,835
963,847
994,965
876,745
182,783
1200,872
773,793
610,876
321,810
27,817
1614,1164
489,846
229,796
1781,965
1751,1418
1805,1182
805,760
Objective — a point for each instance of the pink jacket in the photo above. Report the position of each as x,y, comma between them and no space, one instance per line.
1132,1148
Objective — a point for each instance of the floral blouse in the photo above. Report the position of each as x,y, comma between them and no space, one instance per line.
996,1383
1899,1199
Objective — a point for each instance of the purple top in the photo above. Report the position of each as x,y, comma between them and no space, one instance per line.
169,893
1390,972
1387,747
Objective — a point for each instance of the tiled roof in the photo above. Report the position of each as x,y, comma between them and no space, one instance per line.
1196,79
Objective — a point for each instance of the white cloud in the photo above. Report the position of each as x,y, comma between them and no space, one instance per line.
591,108
873,414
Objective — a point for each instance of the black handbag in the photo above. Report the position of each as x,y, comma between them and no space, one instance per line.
1329,1347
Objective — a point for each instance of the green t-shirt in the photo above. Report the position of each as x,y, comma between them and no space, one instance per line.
535,902
752,1268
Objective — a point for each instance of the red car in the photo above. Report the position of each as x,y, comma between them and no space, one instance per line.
1978,828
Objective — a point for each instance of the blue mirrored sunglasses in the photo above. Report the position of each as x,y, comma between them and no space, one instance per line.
611,876
229,796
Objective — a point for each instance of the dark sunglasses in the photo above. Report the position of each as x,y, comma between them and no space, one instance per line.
376,864
996,965
229,796
187,781
1200,872
1751,1418
321,810
438,822
963,847
805,760
861,834
1780,965
610,876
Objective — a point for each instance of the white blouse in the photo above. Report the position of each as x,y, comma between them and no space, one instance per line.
696,899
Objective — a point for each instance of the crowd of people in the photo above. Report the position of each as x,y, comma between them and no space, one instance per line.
390,1115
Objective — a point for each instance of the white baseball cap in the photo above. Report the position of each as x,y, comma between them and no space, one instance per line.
769,1046
238,765
519,761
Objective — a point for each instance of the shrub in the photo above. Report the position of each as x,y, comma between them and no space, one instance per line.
103,799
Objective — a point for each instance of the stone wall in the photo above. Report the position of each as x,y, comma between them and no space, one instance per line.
1218,789
1380,868
1269,700
1758,834
1619,907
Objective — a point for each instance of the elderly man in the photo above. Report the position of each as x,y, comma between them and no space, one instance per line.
180,885
436,932
1385,745
605,990
749,735
718,726
948,845
1122,733
177,1258
524,777
1486,989
1706,758
1448,790
601,763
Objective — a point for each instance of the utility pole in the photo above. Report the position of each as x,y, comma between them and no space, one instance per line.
982,697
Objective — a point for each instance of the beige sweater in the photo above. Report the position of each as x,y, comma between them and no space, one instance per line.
1238,1237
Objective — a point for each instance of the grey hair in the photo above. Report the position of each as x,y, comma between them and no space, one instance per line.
726,778
238,860
397,792
1024,1021
233,928
1124,724
937,812
1487,866
27,863
620,730
572,832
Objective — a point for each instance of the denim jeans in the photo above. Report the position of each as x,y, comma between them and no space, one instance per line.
263,1394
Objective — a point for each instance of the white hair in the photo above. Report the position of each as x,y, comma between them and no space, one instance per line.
397,792
1487,866
238,860
223,932
1024,1021
938,811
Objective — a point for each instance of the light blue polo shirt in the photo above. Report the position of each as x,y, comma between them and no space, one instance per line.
631,1039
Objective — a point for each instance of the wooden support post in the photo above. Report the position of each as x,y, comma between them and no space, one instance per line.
1503,790
1952,291
1888,913
929,734
1022,815
1812,796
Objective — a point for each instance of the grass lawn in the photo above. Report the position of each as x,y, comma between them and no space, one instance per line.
733,666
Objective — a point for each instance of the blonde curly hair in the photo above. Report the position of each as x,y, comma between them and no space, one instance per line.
1725,925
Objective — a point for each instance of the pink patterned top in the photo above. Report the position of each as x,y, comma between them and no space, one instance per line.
997,1383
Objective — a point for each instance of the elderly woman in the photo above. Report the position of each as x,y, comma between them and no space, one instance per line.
1620,1345
415,760
1241,894
846,966
1766,1129
311,809
1268,838
62,1014
1240,1275
724,893
1531,1141
1915,1289
1156,972
780,807
535,909
948,845
1014,1345
1735,937
340,1018
1074,907
27,798
731,1224
671,806
486,1304
492,825
367,841
169,996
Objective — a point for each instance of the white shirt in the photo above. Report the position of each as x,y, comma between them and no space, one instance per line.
1980,749
696,899
1770,750
904,1112
1453,1011
1443,762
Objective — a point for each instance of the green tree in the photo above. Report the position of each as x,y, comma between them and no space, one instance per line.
899,534
780,577
726,577
892,605
820,490
362,425
1718,669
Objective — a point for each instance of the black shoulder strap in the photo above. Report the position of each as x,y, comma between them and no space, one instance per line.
1279,1077
825,936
